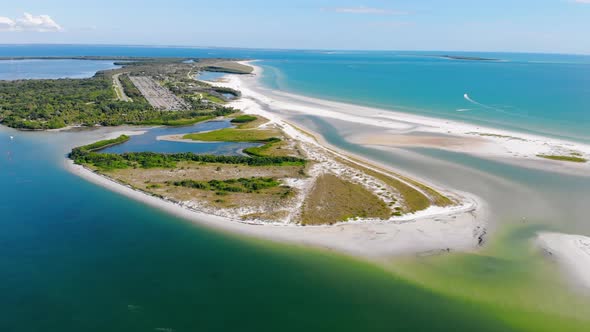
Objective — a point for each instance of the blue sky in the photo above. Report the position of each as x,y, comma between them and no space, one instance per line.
561,26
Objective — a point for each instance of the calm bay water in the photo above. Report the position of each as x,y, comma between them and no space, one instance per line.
50,69
149,141
76,257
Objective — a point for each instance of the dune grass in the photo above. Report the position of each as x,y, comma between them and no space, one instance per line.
571,158
243,118
235,135
334,200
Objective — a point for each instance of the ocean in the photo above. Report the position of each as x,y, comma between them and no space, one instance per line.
77,257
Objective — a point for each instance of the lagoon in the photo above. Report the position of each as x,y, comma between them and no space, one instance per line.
77,257
149,141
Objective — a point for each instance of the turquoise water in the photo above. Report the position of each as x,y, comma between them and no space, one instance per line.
541,93
549,96
76,257
50,69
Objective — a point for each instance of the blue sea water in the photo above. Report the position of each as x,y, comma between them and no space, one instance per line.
549,96
541,93
76,257
51,69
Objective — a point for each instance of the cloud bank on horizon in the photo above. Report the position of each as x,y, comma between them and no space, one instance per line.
29,22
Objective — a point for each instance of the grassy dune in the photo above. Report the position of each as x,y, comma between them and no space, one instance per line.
571,158
234,135
333,199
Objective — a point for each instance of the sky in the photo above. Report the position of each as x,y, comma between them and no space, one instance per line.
552,26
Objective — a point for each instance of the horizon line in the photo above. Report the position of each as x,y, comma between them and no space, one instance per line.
284,49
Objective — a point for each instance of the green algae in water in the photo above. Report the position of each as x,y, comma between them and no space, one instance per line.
510,278
77,257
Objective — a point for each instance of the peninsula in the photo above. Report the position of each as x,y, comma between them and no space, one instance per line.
286,176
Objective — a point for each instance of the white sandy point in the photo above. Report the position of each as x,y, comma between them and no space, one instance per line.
572,252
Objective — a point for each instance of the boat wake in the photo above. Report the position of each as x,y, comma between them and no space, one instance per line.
474,102
466,96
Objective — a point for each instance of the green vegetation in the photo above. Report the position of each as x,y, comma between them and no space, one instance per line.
52,104
229,67
333,199
414,199
235,135
571,158
496,135
268,137
220,89
103,144
109,161
253,184
244,119
86,155
264,150
57,103
213,98
130,90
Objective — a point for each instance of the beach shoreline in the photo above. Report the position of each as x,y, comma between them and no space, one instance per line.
436,229
461,228
571,252
398,130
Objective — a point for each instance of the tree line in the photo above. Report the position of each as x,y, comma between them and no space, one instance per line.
89,155
52,104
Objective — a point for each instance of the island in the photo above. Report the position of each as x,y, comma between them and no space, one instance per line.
468,58
188,145
282,179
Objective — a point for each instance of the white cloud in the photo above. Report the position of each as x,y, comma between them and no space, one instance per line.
367,10
6,24
40,23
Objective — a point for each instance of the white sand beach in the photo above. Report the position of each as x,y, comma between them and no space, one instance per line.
435,231
393,129
572,252
461,227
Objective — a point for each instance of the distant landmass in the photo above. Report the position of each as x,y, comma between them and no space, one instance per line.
470,58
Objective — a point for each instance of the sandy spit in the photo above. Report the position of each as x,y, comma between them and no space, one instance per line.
390,128
572,252
461,229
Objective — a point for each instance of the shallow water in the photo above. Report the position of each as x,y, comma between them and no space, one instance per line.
76,257
549,97
210,76
149,142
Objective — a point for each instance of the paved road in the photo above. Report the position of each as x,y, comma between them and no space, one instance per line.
119,88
